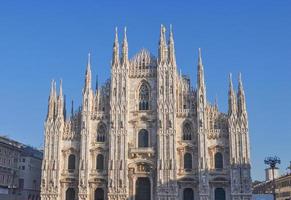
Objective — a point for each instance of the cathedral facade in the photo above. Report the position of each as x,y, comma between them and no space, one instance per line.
146,134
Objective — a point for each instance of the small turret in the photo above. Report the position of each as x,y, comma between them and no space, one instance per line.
241,104
125,49
231,99
162,45
171,47
60,102
51,102
115,56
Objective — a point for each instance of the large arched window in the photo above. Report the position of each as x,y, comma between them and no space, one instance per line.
219,194
144,97
218,160
99,194
70,194
187,131
101,132
72,162
187,161
188,194
143,138
100,162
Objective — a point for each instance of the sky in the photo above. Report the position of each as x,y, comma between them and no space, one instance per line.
45,40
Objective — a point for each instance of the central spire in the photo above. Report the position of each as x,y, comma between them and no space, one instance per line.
88,73
200,75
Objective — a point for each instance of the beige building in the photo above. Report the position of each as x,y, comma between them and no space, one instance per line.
147,134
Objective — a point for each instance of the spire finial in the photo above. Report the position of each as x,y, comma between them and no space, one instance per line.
61,88
240,80
230,81
96,87
55,90
115,56
216,101
116,36
124,48
88,72
199,56
72,108
52,88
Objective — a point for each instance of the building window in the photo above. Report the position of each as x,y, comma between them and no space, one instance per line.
72,162
188,194
218,161
187,131
143,138
101,132
70,194
100,162
99,194
219,194
144,96
187,161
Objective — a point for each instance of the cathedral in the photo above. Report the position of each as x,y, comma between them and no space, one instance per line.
146,134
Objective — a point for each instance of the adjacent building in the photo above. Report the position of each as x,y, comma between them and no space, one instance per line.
20,171
282,187
147,134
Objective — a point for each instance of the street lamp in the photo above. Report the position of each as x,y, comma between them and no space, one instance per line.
272,162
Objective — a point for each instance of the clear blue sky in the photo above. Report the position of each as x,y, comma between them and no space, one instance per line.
41,40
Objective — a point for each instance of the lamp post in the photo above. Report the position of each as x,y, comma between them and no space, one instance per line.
272,162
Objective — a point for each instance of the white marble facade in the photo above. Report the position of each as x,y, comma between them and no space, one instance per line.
146,134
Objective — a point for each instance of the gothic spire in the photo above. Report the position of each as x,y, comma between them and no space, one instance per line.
115,56
60,104
162,44
241,96
51,102
125,48
88,74
231,98
200,74
72,109
96,85
172,56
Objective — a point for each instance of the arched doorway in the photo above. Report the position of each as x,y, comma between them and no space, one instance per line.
99,194
219,194
70,194
143,189
188,194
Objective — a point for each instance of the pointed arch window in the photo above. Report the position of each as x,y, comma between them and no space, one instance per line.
99,194
187,131
144,96
100,162
219,194
218,160
187,161
188,194
72,162
101,133
70,194
143,138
